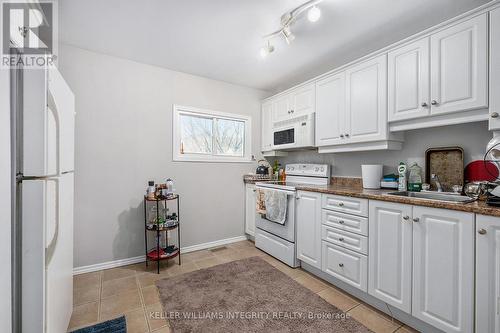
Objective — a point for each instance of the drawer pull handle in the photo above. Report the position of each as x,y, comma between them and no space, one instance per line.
341,204
341,221
341,265
406,218
341,239
482,231
416,219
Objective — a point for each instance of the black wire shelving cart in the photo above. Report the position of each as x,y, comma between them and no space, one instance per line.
161,224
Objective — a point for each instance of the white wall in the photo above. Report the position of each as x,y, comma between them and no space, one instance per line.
471,137
123,139
5,204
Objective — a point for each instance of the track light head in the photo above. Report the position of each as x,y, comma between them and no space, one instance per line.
288,35
266,49
314,14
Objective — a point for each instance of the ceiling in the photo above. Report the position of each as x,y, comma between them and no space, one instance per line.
220,39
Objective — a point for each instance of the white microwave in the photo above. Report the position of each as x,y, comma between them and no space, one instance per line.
293,133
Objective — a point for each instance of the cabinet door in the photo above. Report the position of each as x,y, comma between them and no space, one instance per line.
487,274
281,108
302,100
408,81
459,67
390,249
267,126
494,69
366,103
330,110
308,223
443,268
250,209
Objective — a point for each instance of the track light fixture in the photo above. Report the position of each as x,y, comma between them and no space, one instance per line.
265,50
287,19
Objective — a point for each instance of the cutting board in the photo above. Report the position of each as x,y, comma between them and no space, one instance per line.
447,163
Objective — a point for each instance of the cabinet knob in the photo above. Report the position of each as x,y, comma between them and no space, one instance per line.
424,105
341,221
347,135
292,111
341,265
288,111
254,190
341,135
341,204
416,219
341,239
494,115
406,218
434,102
297,198
482,231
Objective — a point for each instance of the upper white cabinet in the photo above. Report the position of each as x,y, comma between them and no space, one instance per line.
330,110
303,100
459,67
267,126
487,274
297,102
366,103
443,268
409,81
444,73
308,217
494,120
390,248
351,109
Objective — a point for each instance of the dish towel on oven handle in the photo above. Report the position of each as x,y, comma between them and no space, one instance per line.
276,204
260,202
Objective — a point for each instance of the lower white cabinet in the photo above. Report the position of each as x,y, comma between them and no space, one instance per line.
390,248
250,209
487,274
346,265
308,217
421,260
443,268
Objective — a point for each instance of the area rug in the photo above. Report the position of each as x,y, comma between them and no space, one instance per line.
248,295
118,325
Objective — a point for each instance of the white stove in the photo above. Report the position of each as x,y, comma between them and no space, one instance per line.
276,239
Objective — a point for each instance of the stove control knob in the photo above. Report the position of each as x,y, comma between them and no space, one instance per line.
316,169
322,169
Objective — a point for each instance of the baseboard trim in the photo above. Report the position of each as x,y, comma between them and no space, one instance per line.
138,259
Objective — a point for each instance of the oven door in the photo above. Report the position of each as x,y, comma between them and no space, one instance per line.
286,231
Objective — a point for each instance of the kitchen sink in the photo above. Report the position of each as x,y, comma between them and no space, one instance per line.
434,196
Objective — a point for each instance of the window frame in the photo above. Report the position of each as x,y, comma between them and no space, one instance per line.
179,110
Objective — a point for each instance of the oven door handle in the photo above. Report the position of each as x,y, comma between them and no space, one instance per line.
288,192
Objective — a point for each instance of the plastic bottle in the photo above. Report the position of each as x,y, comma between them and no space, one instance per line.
415,178
402,177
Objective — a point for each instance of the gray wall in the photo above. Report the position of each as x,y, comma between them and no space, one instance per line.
124,139
471,137
5,217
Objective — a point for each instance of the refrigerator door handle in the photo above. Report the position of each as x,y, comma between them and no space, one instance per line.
49,250
52,106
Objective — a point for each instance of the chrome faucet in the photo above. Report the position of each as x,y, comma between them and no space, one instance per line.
435,178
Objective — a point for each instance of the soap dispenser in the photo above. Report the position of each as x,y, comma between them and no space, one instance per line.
402,177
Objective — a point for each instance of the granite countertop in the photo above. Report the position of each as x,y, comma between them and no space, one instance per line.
354,190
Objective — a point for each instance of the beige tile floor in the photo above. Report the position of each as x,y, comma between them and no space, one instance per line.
131,291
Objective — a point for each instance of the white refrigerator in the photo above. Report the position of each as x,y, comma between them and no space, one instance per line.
44,121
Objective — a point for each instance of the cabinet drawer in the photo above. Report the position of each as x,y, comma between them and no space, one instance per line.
345,239
352,223
345,265
357,206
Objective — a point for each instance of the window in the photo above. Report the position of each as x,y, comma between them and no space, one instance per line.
210,136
